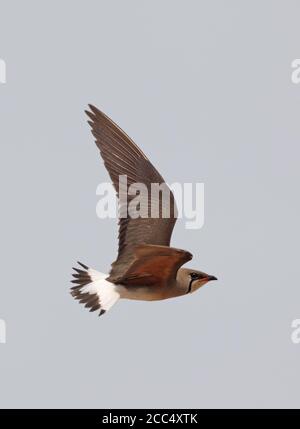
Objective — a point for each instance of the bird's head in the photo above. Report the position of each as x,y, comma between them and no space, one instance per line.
191,280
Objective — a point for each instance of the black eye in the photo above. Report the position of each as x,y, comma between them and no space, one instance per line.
194,276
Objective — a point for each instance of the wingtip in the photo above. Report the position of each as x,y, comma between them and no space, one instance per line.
91,116
93,109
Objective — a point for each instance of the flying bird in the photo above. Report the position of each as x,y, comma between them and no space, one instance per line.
146,268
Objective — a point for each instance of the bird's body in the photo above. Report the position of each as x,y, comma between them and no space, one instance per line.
147,268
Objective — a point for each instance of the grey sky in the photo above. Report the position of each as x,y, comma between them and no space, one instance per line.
204,88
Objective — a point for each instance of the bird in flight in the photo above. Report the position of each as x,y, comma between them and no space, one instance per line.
146,268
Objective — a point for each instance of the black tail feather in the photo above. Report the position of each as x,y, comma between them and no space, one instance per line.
81,279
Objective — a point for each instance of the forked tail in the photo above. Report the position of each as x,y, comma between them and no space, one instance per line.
93,290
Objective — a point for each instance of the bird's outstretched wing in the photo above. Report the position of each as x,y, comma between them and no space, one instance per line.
123,157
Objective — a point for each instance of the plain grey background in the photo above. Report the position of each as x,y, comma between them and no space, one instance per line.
204,88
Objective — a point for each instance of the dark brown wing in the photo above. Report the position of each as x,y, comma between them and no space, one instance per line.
123,157
154,265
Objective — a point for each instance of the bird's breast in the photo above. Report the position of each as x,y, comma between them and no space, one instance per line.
147,293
